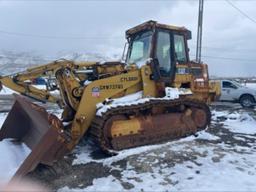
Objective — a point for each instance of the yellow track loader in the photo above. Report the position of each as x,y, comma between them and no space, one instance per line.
156,95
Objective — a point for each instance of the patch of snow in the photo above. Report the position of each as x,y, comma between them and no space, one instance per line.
109,183
218,114
137,98
241,123
251,85
84,153
12,157
143,62
7,91
206,136
237,122
225,170
43,87
2,118
199,80
128,98
131,99
232,173
58,112
40,86
87,82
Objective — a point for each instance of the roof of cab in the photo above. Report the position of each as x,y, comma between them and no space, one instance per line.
153,24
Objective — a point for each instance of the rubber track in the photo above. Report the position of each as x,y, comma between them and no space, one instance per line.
96,129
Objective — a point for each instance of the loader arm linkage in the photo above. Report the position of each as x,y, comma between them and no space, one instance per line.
19,81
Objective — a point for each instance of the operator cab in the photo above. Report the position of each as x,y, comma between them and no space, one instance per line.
165,45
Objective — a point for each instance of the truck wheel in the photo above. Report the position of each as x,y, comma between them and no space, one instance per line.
247,101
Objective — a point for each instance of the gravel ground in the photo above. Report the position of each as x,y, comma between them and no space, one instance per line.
224,155
221,158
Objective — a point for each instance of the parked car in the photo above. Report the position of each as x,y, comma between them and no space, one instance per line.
235,92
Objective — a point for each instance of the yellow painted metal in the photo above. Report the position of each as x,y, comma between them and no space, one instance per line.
215,89
149,86
125,127
68,87
182,77
108,88
17,82
29,90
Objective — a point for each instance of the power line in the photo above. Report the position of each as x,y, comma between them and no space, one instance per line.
229,50
56,37
241,12
229,58
111,0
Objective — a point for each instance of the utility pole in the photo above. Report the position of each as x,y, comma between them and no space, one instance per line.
199,31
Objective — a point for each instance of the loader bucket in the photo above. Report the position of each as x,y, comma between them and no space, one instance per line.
42,132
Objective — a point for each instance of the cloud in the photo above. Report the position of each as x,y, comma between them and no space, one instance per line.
226,34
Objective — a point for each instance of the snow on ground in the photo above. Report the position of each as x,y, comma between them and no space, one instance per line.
237,122
2,118
251,85
241,123
221,158
208,162
6,91
212,170
83,152
14,155
109,183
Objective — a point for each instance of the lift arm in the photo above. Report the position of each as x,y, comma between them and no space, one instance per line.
20,82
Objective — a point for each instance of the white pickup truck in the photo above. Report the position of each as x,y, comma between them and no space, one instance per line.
235,92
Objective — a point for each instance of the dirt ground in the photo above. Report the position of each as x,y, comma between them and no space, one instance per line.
170,165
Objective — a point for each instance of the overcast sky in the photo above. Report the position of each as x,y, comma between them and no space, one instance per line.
54,27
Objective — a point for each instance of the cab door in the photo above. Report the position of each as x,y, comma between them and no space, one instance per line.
228,91
163,53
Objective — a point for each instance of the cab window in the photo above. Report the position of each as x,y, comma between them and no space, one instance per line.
180,49
227,84
140,48
163,53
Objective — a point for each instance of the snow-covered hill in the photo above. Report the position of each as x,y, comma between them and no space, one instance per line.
12,62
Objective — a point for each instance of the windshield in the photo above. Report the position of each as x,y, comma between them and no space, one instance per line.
140,48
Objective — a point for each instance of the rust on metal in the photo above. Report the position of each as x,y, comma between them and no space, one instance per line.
159,121
42,132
